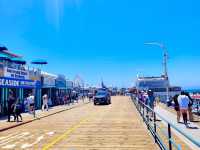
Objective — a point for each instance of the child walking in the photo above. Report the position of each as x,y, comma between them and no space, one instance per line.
18,110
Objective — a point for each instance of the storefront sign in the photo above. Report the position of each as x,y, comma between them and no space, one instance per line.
18,83
15,73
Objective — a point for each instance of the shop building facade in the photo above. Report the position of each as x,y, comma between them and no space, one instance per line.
49,86
15,78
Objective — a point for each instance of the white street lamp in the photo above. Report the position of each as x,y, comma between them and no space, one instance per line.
165,58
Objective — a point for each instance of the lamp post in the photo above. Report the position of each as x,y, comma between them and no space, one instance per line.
165,58
37,92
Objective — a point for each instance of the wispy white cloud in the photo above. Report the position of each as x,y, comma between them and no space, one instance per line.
55,10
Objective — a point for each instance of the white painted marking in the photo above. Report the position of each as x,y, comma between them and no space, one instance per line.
24,146
50,133
9,146
10,135
11,139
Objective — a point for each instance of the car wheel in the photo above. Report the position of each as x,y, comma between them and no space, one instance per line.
107,103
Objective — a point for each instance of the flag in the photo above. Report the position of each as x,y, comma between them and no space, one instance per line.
102,85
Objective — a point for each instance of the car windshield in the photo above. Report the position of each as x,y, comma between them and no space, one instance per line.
100,93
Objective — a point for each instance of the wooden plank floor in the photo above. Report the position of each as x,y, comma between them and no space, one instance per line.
106,127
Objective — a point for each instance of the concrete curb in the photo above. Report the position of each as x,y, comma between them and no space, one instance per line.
29,121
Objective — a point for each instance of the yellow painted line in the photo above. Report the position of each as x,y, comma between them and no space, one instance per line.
64,135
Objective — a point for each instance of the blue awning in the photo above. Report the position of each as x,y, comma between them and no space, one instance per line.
39,62
18,60
4,57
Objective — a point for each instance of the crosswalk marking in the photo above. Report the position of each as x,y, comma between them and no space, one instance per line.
9,146
27,145
11,139
10,135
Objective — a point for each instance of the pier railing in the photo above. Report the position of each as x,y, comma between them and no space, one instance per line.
160,128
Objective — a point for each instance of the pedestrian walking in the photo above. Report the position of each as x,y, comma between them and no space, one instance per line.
18,110
157,99
183,101
11,101
151,100
70,98
45,102
65,99
26,105
83,97
177,108
139,96
31,102
191,118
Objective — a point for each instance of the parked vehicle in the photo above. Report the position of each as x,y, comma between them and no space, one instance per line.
102,97
90,95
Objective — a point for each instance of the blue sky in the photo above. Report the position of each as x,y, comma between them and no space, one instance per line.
104,38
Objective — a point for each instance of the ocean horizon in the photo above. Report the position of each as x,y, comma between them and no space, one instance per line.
192,90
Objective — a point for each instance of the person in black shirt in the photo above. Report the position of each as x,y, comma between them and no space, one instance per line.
176,107
11,101
18,110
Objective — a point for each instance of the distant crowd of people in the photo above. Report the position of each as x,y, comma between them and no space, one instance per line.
182,104
16,106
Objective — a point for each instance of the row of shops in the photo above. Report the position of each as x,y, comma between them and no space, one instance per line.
17,78
56,87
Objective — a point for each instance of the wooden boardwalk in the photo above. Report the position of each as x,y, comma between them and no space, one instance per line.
107,127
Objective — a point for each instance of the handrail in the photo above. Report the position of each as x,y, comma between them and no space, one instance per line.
173,126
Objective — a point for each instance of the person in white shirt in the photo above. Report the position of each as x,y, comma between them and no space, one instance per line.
45,102
31,103
183,101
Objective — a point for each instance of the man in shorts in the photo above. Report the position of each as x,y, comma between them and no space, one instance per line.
183,101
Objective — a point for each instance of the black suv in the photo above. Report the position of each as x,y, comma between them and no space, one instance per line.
102,97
